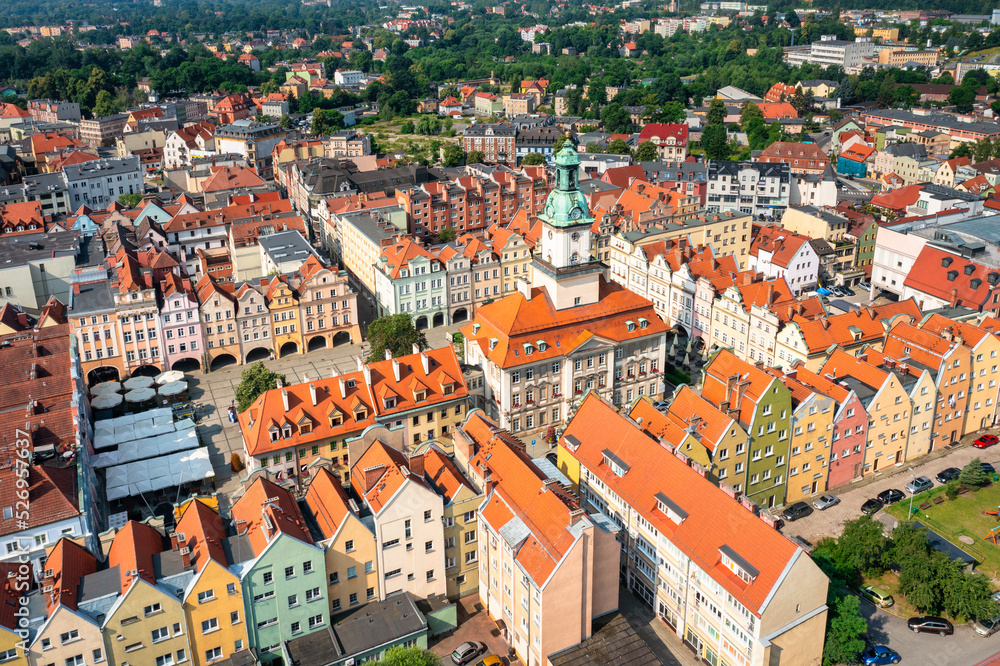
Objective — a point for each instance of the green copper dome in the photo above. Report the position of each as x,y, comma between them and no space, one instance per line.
566,205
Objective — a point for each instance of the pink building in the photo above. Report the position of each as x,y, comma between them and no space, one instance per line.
181,324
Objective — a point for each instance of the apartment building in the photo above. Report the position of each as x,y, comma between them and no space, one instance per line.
273,548
730,586
670,139
762,406
752,188
136,306
347,539
252,140
408,521
94,323
809,450
496,141
54,111
547,569
217,307
328,304
832,51
348,143
409,279
180,321
99,183
103,131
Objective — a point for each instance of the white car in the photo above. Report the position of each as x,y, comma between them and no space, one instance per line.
824,502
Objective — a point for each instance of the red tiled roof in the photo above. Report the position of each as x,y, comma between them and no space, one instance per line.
264,503
69,562
857,152
714,521
726,365
132,551
952,278
204,534
51,497
783,245
231,177
328,501
659,132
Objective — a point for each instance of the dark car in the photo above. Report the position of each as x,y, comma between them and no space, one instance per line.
946,475
890,496
871,506
988,468
986,441
877,655
796,511
467,651
850,292
929,624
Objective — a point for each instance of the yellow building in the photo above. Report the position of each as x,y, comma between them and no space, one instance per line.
213,601
348,544
15,577
900,57
283,304
812,430
461,537
515,257
885,34
148,619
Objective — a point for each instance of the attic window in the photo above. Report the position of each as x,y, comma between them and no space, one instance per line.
389,403
630,325
336,420
420,395
361,413
542,345
351,383
670,509
274,434
448,389
946,261
529,349
493,343
286,431
616,464
739,566
305,427
993,278
975,283
475,328
643,323
952,275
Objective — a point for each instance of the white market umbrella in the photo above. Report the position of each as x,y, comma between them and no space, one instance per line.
105,387
138,383
140,395
169,376
173,388
106,400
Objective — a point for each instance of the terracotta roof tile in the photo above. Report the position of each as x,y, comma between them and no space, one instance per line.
69,562
132,551
266,510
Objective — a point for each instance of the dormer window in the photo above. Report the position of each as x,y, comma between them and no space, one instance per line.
275,433
286,431
630,325
361,413
336,420
389,403
351,383
542,345
305,427
420,395
529,349
739,566
616,464
493,343
670,509
643,323
448,389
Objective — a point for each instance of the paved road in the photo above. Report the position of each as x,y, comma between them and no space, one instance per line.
964,648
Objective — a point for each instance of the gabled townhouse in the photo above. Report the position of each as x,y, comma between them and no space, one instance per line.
217,308
348,540
670,139
137,310
273,549
408,521
948,170
411,280
329,306
69,630
50,495
762,406
180,321
283,308
710,437
253,321
184,144
809,341
919,384
213,599
734,589
849,429
547,566
950,363
885,399
513,248
734,309
812,430
778,253
460,520
147,620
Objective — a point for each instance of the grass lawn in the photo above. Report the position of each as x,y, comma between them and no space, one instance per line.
890,582
962,516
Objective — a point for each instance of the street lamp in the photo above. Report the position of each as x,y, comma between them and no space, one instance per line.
913,476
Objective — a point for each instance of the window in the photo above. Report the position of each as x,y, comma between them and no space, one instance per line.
213,654
353,599
164,660
352,572
289,572
208,626
207,595
160,634
307,567
296,628
427,516
234,617
334,578
69,636
152,610
231,588
313,594
315,621
268,577
293,600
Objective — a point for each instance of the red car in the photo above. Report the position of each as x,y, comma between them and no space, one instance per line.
986,440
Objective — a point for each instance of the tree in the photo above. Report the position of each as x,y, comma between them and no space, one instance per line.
254,381
715,142
395,333
106,105
447,235
672,112
533,159
453,155
962,150
130,200
475,157
863,545
716,113
286,121
615,118
793,19
646,152
406,127
963,97
845,631
972,475
594,147
749,114
618,147
982,150
326,122
411,656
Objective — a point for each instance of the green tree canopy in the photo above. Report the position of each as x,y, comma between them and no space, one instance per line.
716,113
453,155
618,147
447,235
411,656
130,200
475,157
254,381
864,546
395,333
645,152
533,159
715,142
845,631
972,475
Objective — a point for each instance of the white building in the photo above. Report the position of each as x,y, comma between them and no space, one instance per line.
779,253
832,51
756,188
98,184
347,77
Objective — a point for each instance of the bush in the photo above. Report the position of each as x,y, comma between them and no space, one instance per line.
951,490
236,463
457,338
972,475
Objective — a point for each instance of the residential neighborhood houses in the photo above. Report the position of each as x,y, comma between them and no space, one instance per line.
498,334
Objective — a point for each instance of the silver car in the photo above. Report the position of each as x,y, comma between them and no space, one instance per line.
919,485
987,627
825,502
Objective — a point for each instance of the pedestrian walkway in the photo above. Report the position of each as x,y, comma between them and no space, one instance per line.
664,643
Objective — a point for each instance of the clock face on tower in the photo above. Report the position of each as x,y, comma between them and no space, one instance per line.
575,236
549,211
576,213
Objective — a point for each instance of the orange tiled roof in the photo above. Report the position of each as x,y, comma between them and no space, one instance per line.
726,365
397,257
857,152
923,346
328,501
266,510
864,325
231,177
380,473
714,522
442,473
132,552
953,279
781,243
841,364
69,562
204,534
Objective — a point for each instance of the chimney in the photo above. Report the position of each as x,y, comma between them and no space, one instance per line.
312,393
76,287
416,465
741,390
954,297
959,340
395,366
284,399
416,348
825,323
730,383
388,354
425,361
343,389
372,475
524,288
770,293
185,556
946,333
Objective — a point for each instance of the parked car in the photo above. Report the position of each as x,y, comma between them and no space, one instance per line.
919,485
661,404
928,624
824,502
988,468
986,441
987,627
850,292
877,595
796,511
467,651
890,496
946,475
871,506
491,660
879,654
